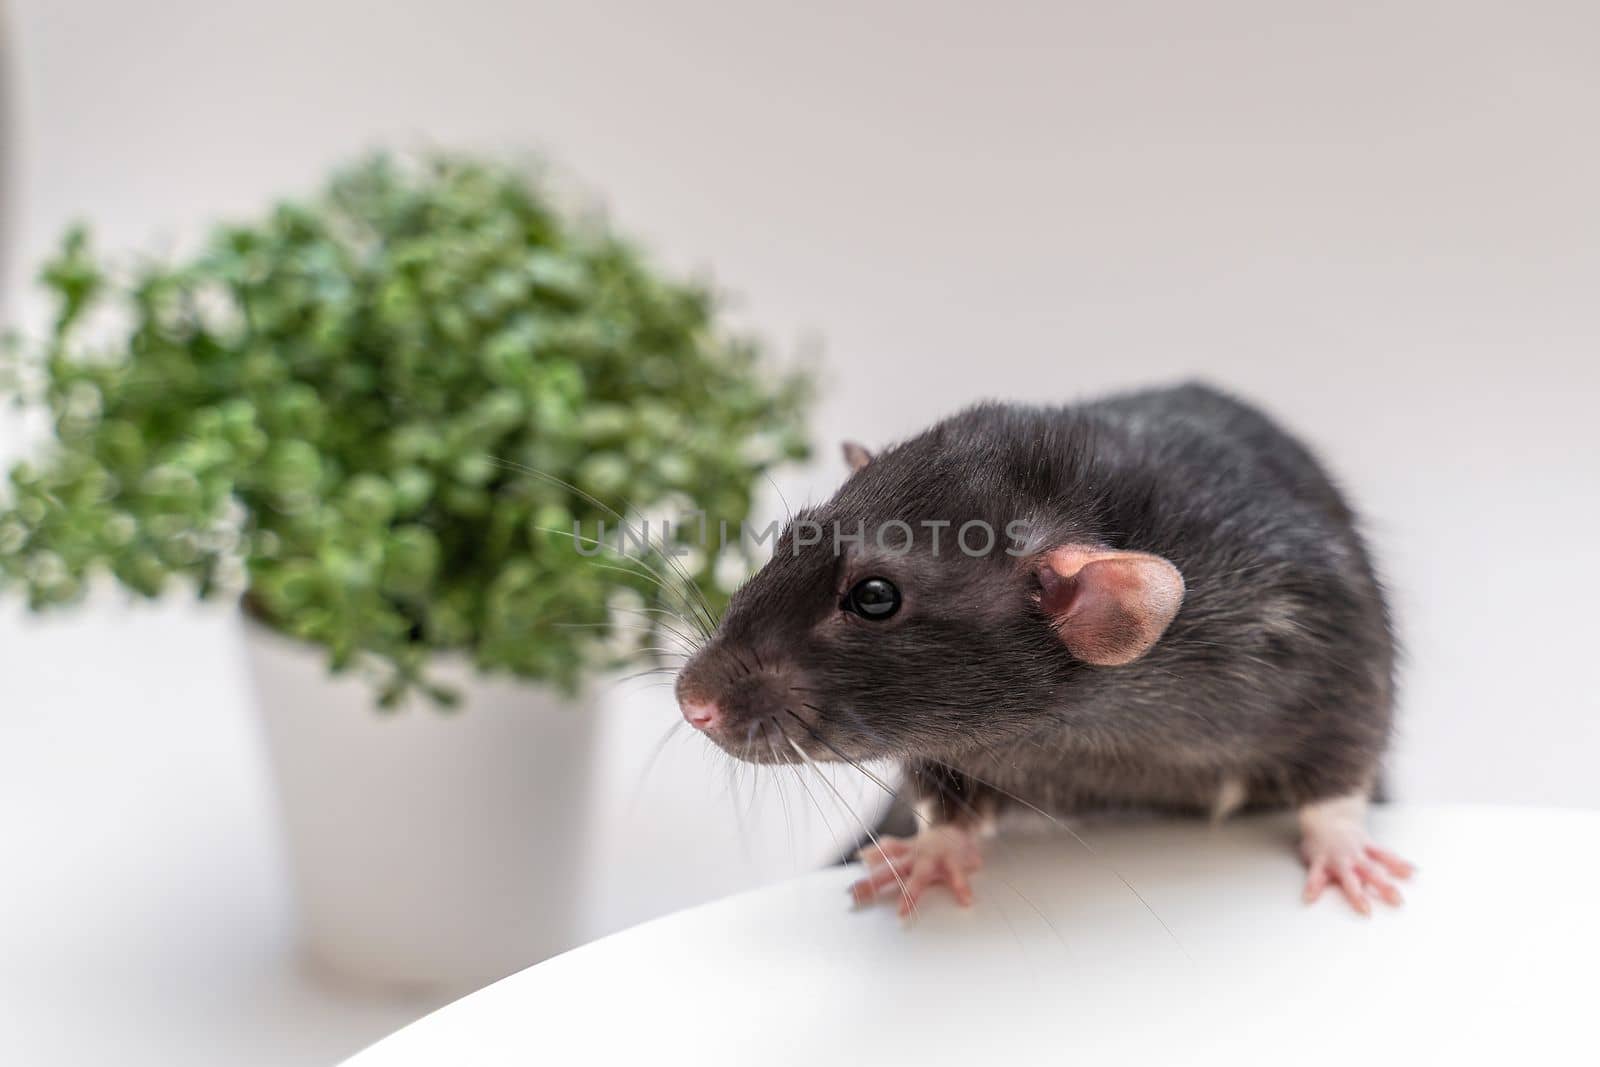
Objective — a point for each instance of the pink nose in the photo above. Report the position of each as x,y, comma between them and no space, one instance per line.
702,715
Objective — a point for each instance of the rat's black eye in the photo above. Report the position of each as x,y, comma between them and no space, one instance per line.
873,598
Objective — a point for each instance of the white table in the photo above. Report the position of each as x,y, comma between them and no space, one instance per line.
1494,954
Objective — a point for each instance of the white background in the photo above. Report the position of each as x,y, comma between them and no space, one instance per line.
1381,223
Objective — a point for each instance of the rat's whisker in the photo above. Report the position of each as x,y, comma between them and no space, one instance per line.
819,739
646,673
1080,839
733,804
999,842
894,795
743,666
904,892
643,632
783,798
598,626
597,502
801,778
669,609
757,780
649,765
645,569
858,719
695,641
788,511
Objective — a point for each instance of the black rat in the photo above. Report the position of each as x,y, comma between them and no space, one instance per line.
1153,601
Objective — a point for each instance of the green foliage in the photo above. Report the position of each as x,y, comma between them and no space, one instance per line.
343,400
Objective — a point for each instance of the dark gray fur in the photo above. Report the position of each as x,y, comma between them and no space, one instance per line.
1277,671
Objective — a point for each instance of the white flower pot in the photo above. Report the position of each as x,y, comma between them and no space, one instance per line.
430,849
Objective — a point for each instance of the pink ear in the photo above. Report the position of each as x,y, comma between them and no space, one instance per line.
1109,608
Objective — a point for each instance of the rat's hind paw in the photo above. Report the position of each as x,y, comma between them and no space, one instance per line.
1338,852
909,866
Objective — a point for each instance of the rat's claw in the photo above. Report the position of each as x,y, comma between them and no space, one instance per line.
1379,886
940,854
1396,866
1350,885
878,879
1316,881
960,886
883,850
1338,852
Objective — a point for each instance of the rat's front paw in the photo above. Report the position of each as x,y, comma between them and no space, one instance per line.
1338,852
909,866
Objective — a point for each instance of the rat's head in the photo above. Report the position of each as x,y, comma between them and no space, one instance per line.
917,612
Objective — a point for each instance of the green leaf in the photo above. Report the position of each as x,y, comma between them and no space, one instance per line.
371,401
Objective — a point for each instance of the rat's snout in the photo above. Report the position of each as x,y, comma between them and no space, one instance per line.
726,708
702,714
746,710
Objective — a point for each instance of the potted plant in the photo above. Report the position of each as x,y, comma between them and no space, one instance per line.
377,416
